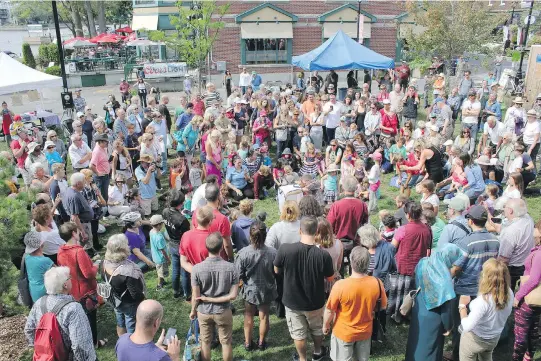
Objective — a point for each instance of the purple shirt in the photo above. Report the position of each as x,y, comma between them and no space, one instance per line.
532,269
126,350
136,241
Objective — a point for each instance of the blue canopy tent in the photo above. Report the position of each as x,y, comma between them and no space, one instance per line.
342,53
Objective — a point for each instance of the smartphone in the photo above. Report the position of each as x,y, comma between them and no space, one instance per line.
331,108
171,332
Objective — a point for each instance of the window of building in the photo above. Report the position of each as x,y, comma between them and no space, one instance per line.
266,51
144,2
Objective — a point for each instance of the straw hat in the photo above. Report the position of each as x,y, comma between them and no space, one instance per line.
483,160
518,100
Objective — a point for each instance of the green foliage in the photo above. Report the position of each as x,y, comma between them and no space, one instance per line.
118,12
196,31
534,40
48,53
28,57
452,28
14,222
32,12
53,70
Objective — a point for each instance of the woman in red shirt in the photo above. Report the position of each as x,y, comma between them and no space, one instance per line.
83,275
389,120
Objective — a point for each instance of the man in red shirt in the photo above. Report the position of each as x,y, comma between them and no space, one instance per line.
413,242
193,249
403,72
19,147
124,90
220,223
349,213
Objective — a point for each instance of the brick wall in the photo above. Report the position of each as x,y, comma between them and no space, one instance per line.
227,47
380,7
305,38
383,41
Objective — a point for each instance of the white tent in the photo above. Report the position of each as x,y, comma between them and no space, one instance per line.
17,77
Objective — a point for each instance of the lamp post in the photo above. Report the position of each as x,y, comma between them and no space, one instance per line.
358,33
520,75
60,48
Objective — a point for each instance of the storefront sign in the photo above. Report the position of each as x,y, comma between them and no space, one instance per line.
165,70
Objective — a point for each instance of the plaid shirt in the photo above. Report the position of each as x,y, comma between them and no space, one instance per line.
74,327
92,198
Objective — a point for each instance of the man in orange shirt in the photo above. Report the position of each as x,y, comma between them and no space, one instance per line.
351,304
308,107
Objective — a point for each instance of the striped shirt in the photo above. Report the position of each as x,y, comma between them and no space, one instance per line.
478,247
210,98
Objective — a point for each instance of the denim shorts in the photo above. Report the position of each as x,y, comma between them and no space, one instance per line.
125,317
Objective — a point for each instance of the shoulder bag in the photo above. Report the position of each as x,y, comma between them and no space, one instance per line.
378,333
408,302
23,286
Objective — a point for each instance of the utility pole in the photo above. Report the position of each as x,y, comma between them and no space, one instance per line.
60,48
520,74
358,34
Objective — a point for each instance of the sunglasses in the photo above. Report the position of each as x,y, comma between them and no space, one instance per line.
53,136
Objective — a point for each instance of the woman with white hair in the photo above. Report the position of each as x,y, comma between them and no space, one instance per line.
381,252
127,282
134,117
100,128
59,144
213,150
74,326
117,197
40,180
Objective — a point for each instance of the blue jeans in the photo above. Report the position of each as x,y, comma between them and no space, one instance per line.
175,274
102,182
186,283
164,162
280,146
142,265
125,316
243,89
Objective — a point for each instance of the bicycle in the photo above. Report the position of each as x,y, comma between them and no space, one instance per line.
514,87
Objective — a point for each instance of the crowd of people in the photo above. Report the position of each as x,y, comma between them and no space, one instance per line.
323,266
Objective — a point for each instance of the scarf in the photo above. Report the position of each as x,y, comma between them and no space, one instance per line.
126,268
433,276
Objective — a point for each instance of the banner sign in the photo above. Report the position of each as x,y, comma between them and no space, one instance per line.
165,70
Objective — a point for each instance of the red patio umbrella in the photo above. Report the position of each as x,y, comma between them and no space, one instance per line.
66,42
125,29
109,38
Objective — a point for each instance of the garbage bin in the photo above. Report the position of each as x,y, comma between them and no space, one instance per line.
342,93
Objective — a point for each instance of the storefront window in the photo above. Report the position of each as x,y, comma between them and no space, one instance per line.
266,51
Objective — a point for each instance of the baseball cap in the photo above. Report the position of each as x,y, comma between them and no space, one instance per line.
434,128
256,146
80,114
386,101
376,156
457,204
148,110
156,219
478,213
448,142
49,143
33,241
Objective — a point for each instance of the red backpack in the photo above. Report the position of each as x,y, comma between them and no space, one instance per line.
48,342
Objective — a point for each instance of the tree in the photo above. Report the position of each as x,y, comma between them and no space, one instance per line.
14,223
31,12
28,57
197,29
101,16
48,53
119,12
452,28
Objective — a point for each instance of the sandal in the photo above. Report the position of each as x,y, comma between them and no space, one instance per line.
102,343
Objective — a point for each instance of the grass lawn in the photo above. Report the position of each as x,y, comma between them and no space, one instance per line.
280,344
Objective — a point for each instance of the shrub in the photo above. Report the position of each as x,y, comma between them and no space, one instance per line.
28,57
54,70
47,53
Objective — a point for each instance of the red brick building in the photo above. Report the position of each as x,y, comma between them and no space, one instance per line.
265,35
